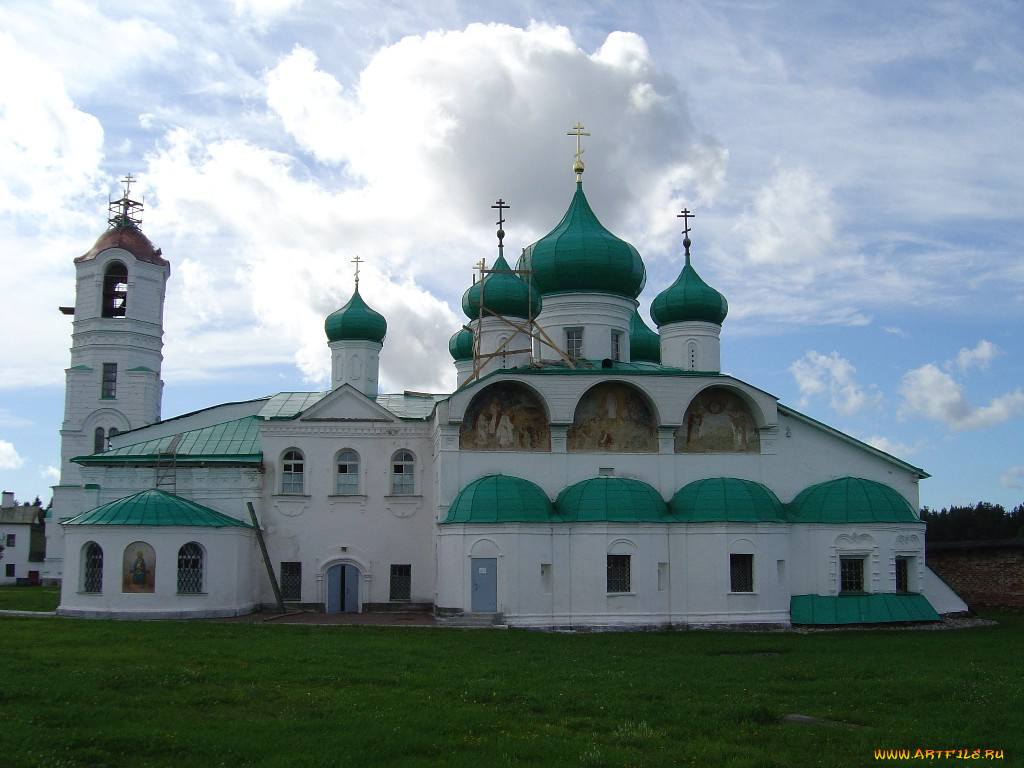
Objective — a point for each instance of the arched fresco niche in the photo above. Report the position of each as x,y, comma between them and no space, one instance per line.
613,417
718,421
138,568
505,417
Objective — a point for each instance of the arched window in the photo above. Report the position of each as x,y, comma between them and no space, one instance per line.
402,467
115,290
190,569
347,464
292,470
112,432
99,440
92,573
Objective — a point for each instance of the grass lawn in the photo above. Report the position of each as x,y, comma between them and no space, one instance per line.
101,693
29,598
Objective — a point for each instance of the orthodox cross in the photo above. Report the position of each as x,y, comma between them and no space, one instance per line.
501,206
357,261
128,179
577,166
686,216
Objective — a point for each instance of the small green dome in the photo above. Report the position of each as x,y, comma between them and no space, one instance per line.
850,500
644,344
689,298
611,499
500,499
461,345
581,255
728,500
505,293
356,321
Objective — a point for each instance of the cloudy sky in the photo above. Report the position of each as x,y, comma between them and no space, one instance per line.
855,169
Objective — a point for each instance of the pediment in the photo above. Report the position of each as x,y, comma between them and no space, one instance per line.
346,403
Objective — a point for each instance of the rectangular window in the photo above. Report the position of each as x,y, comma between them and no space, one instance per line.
903,574
616,345
109,389
618,573
741,573
291,581
663,575
10,538
851,574
574,342
401,582
545,578
9,570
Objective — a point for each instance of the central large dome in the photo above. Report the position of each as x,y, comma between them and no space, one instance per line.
581,255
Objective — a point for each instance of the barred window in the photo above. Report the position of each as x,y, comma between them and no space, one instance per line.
348,473
741,573
903,574
401,582
190,569
618,573
851,574
291,581
402,478
93,573
292,470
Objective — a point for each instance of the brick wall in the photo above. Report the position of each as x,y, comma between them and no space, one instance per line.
983,573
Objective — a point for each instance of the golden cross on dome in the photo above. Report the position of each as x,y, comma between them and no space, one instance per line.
357,261
577,166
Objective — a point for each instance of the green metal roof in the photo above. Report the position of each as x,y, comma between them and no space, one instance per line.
611,499
288,405
878,608
410,405
235,441
156,508
644,344
689,298
500,499
405,405
461,345
850,500
356,320
726,499
581,255
504,293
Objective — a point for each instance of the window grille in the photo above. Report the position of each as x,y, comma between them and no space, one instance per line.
10,539
190,569
618,573
291,581
348,473
851,574
902,574
93,568
741,573
401,582
292,469
109,389
402,478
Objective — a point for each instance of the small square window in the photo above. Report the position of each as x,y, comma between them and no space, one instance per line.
851,574
401,582
291,581
618,573
9,570
741,573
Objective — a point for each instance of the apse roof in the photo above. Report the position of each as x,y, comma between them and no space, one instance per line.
156,508
850,500
611,499
500,499
726,499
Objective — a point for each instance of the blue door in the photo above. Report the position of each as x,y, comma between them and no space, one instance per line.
343,589
485,584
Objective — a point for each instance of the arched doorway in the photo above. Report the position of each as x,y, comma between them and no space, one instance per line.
343,588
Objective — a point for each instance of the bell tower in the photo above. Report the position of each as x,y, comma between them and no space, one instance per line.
113,383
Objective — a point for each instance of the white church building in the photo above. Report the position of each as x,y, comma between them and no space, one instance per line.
586,472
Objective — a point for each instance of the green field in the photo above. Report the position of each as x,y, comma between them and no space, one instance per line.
101,693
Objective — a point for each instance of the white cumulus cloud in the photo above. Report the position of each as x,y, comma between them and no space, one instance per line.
930,392
9,458
833,376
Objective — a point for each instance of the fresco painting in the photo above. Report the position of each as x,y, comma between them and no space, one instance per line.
613,417
718,421
139,568
505,418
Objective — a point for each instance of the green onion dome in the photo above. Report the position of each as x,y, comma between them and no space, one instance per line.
611,499
461,345
504,292
689,298
356,321
726,499
850,500
644,344
581,255
500,499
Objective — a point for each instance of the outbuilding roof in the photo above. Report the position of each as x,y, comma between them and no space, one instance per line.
878,608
